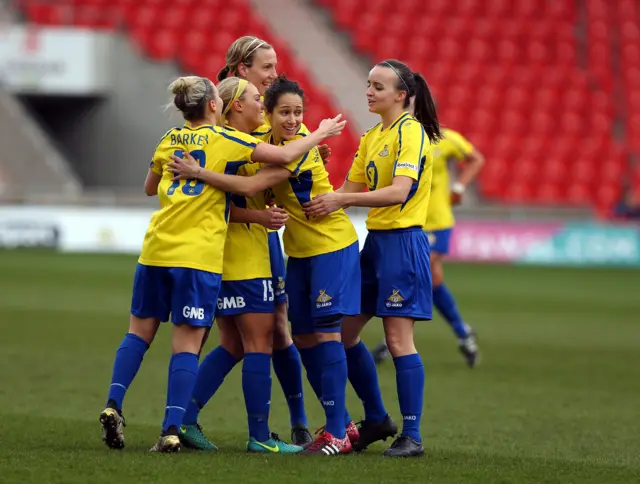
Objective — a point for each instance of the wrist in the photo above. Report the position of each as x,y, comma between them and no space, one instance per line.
199,173
458,188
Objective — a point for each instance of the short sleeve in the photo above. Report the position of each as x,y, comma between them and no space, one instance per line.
156,166
411,144
357,172
460,146
240,146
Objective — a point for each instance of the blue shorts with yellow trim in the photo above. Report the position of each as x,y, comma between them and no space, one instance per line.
249,296
188,295
396,276
278,270
322,289
439,240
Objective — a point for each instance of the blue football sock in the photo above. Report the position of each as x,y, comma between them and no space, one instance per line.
256,386
364,379
410,383
128,360
314,373
334,386
183,370
212,372
312,364
288,369
444,302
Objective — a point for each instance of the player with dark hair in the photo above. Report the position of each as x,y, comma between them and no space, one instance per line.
323,274
395,163
453,147
180,265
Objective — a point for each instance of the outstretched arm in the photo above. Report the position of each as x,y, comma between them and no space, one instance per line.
248,186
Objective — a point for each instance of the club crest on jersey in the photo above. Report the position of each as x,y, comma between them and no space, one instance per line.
384,152
323,300
395,300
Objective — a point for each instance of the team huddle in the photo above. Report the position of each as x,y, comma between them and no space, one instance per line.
243,166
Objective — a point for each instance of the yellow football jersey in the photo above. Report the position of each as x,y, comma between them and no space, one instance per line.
401,150
453,146
264,133
190,228
306,237
246,250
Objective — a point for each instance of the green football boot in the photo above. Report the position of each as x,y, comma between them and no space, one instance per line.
193,437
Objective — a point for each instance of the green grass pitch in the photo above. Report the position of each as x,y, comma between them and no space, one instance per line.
556,398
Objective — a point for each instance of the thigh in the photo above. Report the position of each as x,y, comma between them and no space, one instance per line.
229,336
256,330
278,270
298,294
404,279
152,288
194,296
249,296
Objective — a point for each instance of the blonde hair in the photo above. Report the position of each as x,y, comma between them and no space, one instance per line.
228,90
191,94
242,51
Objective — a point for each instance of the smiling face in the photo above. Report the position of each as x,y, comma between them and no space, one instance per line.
382,90
286,117
262,71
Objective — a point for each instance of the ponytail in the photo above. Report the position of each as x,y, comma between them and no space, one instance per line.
425,108
224,73
416,87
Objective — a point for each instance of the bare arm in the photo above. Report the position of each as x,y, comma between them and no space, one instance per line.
327,203
151,183
394,194
472,165
273,218
351,187
283,155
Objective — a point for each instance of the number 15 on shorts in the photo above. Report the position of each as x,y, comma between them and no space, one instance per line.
267,290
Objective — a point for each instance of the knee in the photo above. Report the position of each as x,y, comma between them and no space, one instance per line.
281,337
232,342
400,342
145,329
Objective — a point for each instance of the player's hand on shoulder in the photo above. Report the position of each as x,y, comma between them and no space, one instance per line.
184,168
274,218
323,204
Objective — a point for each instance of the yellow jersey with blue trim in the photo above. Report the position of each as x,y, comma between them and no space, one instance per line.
303,236
453,146
403,149
190,228
246,250
264,133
